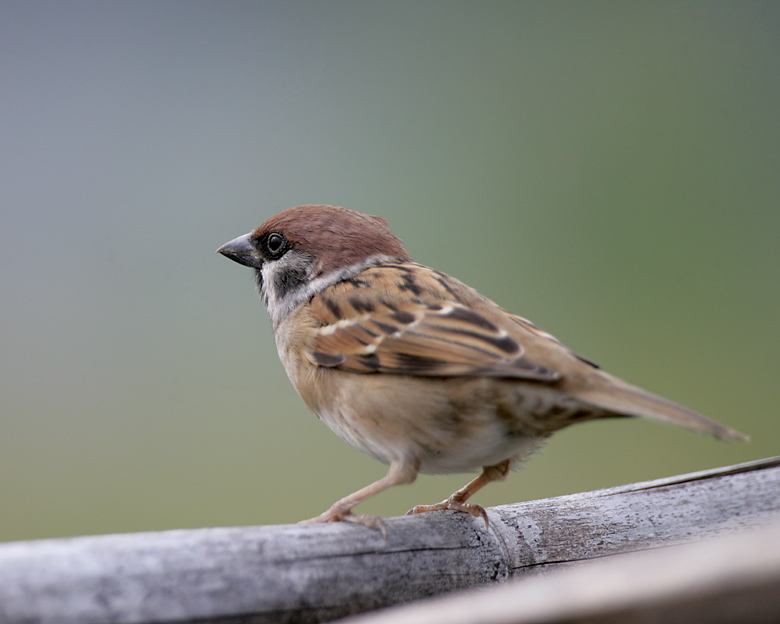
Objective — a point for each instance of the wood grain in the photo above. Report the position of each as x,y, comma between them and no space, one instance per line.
724,580
298,573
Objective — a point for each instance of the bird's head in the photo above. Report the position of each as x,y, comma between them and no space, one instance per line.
301,250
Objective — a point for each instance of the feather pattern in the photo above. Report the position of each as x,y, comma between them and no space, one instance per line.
413,366
411,320
403,318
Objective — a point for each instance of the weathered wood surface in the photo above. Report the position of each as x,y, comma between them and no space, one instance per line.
724,580
304,573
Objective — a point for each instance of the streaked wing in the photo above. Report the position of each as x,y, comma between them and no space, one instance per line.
410,320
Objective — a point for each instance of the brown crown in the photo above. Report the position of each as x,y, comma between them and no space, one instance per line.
337,237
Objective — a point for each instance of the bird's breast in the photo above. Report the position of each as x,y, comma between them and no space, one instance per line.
445,424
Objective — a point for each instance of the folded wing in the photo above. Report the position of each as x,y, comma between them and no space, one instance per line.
410,335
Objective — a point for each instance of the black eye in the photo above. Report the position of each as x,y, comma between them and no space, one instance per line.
275,244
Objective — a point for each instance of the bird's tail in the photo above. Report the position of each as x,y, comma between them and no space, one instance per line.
620,398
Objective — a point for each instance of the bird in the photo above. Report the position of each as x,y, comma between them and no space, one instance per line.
416,368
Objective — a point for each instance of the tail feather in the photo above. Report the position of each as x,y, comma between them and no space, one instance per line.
618,397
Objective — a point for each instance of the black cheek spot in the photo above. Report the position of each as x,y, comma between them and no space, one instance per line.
288,281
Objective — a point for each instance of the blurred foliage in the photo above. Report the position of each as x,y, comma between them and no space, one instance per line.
608,169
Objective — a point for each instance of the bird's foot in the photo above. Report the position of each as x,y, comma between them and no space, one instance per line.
453,504
337,514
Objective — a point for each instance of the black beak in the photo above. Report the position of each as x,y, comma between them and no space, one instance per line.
243,251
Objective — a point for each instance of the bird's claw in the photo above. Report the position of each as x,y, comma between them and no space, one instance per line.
453,504
339,515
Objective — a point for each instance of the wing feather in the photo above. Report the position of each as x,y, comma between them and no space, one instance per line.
418,329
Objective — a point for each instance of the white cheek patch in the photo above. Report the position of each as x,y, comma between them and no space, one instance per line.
267,272
290,273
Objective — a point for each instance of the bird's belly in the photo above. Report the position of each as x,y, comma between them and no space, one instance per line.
360,434
488,448
444,426
486,444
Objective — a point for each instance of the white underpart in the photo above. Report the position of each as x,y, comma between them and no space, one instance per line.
279,308
487,445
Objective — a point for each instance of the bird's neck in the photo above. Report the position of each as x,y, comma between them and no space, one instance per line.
283,288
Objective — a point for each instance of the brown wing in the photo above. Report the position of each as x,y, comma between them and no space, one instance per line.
410,320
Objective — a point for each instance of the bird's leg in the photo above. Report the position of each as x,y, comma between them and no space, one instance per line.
457,500
341,510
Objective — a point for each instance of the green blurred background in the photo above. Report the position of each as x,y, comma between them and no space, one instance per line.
610,170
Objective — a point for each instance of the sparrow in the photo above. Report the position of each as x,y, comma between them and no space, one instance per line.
416,368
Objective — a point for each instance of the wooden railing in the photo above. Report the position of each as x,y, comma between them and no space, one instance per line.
305,573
